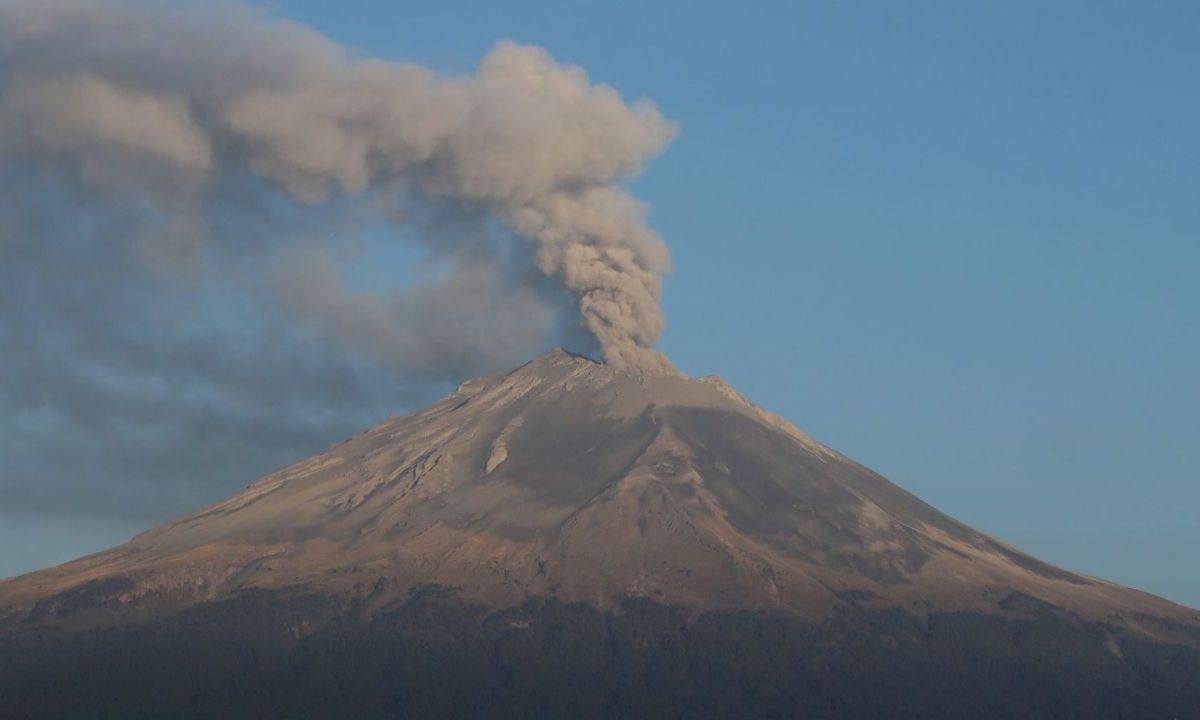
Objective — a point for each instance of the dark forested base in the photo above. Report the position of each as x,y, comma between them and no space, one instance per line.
437,657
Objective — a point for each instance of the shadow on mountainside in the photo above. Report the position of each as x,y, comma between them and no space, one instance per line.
434,656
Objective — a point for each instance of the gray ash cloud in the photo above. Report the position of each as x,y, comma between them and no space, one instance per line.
187,190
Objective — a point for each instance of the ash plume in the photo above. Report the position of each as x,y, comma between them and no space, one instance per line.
192,194
157,102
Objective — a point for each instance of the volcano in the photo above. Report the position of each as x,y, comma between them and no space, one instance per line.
571,540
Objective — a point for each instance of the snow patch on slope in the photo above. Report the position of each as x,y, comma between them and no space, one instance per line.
500,445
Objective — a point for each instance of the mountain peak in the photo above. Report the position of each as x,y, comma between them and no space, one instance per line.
560,354
642,362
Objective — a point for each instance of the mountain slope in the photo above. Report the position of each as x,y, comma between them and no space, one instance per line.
568,479
570,541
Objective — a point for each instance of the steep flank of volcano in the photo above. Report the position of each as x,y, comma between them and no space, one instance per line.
571,541
568,479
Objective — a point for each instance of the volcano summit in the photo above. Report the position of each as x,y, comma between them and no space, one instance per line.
572,540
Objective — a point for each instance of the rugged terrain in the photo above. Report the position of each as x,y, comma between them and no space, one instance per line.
570,518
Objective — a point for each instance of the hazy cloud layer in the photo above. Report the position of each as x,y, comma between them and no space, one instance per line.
195,200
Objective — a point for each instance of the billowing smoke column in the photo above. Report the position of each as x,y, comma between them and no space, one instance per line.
159,106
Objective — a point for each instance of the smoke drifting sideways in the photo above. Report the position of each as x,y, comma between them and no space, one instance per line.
196,203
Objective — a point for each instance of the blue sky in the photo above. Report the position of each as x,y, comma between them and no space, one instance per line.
957,241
